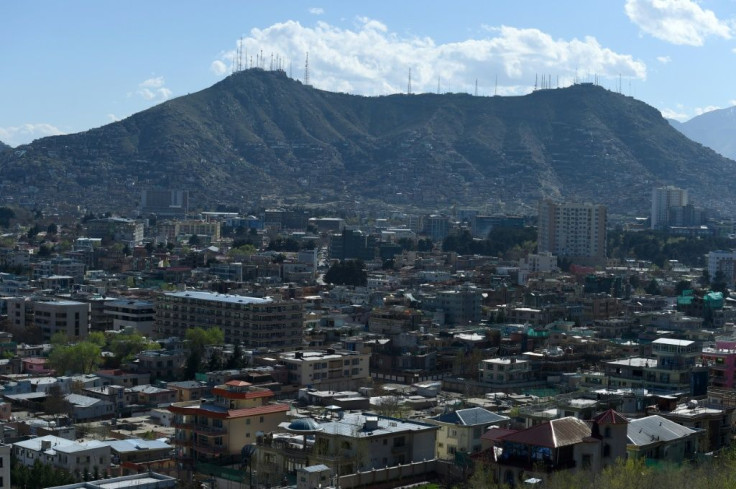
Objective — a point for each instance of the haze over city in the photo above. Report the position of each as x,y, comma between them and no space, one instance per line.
77,65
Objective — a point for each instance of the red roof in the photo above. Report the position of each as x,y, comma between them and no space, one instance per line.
610,417
228,394
557,433
495,433
231,413
238,383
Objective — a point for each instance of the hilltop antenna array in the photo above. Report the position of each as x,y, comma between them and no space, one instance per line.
408,87
306,70
476,87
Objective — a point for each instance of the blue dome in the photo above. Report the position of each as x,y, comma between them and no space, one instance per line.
303,424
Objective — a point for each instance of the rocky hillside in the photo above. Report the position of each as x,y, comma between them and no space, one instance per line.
258,138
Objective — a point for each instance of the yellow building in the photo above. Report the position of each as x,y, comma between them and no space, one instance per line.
216,431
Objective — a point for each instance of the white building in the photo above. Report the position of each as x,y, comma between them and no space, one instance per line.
722,261
65,454
328,369
131,313
663,199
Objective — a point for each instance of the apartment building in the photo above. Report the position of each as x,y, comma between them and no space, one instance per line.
128,313
665,199
52,316
573,230
251,321
216,431
329,369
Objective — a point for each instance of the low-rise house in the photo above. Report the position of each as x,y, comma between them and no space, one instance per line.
123,378
561,444
85,408
136,455
65,454
189,390
461,430
148,395
346,444
656,438
148,480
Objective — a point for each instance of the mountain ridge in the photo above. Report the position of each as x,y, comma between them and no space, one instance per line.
715,129
259,138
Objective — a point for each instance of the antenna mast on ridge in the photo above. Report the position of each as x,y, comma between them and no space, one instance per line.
306,70
476,87
408,87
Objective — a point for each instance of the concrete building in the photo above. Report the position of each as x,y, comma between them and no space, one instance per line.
328,369
573,230
253,322
146,480
65,454
216,431
658,438
346,444
461,430
725,262
664,199
672,370
129,313
165,202
51,316
116,229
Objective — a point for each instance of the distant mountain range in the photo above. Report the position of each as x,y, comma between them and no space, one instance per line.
4,147
715,129
259,138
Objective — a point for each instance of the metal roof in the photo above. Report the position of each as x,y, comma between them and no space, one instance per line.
654,429
557,433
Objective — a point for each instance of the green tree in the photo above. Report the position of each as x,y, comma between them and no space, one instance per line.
652,288
124,346
83,357
348,272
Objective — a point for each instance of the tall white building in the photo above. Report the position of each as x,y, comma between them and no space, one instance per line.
722,261
572,230
663,199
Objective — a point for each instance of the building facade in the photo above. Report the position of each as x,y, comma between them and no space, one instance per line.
663,200
573,230
253,322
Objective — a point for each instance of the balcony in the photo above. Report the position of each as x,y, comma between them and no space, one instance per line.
208,448
208,429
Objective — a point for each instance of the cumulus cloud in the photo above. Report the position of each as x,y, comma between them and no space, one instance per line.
154,89
25,133
369,59
316,11
218,67
676,21
674,114
703,110
112,117
664,59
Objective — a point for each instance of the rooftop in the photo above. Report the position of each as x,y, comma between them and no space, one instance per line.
214,297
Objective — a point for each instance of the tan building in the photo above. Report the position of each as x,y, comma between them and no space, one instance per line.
251,321
216,431
329,369
461,430
573,230
51,316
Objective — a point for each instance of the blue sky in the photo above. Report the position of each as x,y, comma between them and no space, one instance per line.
73,65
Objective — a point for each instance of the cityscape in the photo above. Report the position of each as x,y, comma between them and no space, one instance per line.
286,348
367,246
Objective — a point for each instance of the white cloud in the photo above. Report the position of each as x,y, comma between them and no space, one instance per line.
664,59
25,133
112,118
369,59
316,11
218,67
676,21
673,114
703,110
153,89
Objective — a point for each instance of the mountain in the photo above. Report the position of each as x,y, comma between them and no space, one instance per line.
4,147
260,138
715,129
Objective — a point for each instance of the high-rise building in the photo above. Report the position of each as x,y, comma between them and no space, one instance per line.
572,230
722,261
664,199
